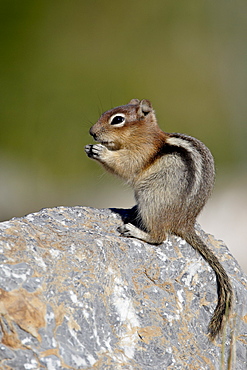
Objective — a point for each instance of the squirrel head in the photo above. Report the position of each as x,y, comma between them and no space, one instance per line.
126,125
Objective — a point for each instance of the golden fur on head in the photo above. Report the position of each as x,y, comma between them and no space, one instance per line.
139,125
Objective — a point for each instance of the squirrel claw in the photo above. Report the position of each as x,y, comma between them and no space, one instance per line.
127,230
94,151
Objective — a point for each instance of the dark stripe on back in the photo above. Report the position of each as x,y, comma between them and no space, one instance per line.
185,156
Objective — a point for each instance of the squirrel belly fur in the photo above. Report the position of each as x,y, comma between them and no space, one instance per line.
172,176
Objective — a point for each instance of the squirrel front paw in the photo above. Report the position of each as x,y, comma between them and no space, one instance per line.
95,151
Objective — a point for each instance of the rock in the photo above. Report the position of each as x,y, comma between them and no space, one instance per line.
74,294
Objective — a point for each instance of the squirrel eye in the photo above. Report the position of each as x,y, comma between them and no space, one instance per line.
117,120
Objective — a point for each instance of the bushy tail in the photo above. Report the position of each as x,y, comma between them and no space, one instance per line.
225,294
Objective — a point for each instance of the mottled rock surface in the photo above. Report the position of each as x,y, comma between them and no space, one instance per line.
76,295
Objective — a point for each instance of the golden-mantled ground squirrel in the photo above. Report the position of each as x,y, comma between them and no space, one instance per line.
172,176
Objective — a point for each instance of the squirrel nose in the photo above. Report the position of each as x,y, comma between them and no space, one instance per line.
91,132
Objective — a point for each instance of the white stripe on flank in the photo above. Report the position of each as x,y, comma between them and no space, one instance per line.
196,157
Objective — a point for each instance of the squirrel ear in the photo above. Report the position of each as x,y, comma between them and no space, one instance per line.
134,101
145,107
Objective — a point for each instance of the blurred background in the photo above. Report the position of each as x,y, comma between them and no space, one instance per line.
65,62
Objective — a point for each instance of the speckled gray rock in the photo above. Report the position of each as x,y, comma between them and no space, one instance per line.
76,295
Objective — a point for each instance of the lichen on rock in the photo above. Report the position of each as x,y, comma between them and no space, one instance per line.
74,294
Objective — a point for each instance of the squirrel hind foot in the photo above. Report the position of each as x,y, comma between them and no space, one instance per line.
129,230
